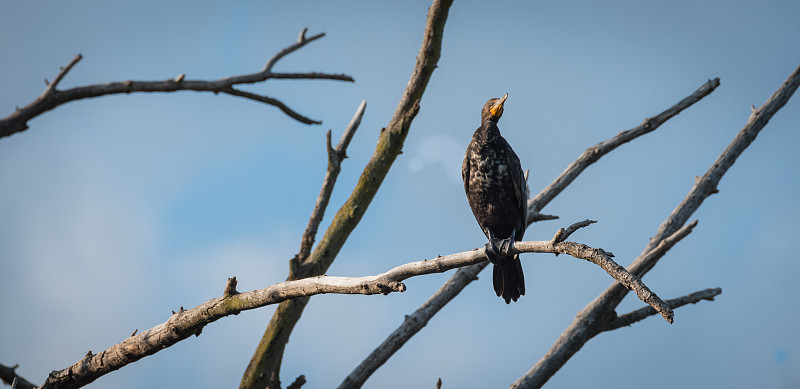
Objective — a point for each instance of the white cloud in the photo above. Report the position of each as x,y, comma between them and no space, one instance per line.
438,150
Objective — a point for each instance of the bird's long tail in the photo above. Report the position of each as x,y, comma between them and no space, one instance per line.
509,282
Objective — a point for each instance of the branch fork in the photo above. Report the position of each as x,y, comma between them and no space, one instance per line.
53,97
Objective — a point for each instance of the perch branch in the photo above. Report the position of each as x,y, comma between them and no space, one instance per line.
186,323
645,312
591,319
454,286
263,369
53,97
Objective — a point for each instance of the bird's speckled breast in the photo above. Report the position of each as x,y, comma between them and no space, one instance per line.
492,196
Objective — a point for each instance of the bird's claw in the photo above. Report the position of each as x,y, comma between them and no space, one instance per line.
498,248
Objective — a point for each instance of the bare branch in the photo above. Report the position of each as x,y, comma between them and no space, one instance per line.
298,382
592,154
52,86
335,158
562,234
53,97
271,101
301,41
645,312
592,318
186,323
264,366
412,324
9,376
454,286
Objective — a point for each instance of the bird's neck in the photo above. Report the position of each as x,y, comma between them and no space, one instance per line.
488,132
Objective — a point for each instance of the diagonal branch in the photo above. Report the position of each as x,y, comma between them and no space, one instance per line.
465,276
264,367
412,324
645,312
53,97
185,323
9,376
64,70
589,321
592,154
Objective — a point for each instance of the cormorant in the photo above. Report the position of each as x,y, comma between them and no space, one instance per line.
498,195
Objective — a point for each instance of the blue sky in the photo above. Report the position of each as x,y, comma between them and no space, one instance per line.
118,210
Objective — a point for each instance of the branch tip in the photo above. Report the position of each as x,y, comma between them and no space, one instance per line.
230,288
298,382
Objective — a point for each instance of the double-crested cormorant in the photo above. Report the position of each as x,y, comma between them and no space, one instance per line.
498,195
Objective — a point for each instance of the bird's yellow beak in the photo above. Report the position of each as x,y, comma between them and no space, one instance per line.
497,108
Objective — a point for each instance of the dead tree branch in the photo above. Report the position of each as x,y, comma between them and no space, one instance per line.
412,324
335,158
592,154
594,317
264,367
10,377
185,323
466,275
53,97
645,312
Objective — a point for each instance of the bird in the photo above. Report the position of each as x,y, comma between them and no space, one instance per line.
497,193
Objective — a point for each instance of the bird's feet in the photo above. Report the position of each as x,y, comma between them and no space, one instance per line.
498,248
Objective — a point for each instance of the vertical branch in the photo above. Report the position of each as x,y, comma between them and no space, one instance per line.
264,366
335,158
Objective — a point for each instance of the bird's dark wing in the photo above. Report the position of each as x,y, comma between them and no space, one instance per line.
465,170
520,190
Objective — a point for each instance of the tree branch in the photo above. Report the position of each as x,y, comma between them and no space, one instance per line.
264,367
466,275
592,154
591,319
412,324
645,312
185,323
53,97
335,158
10,377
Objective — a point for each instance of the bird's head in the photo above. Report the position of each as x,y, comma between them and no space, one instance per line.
493,109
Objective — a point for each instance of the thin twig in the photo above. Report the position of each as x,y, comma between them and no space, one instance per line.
591,319
52,85
271,101
53,97
645,312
